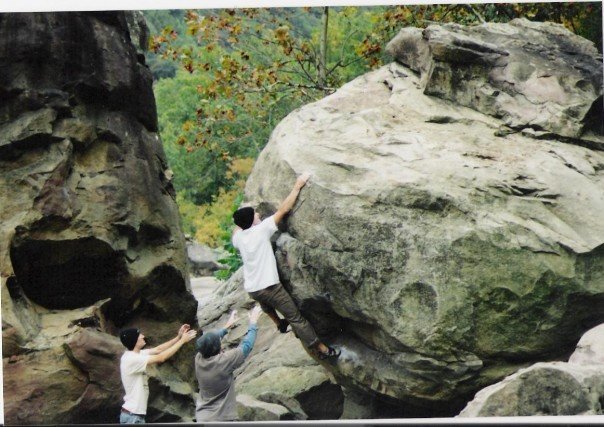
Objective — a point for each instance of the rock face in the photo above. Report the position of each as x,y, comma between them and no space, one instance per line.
279,380
203,260
445,240
554,388
557,388
531,75
590,349
89,229
75,383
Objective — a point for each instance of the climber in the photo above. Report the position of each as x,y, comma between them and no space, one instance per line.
214,370
133,365
261,280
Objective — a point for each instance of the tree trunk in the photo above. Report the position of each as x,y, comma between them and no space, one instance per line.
323,50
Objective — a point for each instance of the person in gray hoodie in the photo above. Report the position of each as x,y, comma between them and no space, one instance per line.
214,370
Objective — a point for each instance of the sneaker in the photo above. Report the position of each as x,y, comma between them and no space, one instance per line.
283,324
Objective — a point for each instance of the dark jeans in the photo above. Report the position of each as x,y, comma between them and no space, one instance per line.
277,298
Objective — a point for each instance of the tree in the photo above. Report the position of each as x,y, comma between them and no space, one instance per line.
243,70
262,66
322,63
266,62
583,18
157,20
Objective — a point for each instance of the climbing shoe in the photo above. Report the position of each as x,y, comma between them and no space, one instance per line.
332,353
283,324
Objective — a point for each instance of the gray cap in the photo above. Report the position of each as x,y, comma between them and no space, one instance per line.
208,344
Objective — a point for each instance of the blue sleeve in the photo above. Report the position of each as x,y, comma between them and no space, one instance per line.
248,342
222,333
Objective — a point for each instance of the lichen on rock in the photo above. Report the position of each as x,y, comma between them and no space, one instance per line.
441,253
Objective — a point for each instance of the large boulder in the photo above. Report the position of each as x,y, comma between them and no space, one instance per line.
532,75
90,238
442,246
203,260
79,378
279,380
556,388
590,348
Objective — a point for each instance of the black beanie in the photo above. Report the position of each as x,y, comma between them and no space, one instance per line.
244,217
208,344
129,337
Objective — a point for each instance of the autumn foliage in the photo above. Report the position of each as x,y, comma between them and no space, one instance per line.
242,70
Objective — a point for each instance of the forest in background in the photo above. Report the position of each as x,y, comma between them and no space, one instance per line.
223,79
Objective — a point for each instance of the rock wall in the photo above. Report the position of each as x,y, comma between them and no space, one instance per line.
535,76
450,233
555,388
90,239
203,260
279,380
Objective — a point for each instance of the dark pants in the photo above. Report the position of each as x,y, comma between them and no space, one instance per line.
277,298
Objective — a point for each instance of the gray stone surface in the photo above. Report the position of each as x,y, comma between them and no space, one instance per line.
202,288
557,388
279,380
590,348
203,260
250,409
90,238
442,253
531,75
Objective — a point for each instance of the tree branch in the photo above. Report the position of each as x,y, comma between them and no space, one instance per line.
475,12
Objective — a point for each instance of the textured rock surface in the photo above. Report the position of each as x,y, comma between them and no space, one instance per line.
279,380
442,253
557,388
250,409
89,229
590,349
79,379
203,260
532,75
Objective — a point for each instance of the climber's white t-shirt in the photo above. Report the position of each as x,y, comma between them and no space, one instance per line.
259,264
133,368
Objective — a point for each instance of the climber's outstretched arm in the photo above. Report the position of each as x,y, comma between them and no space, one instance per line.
290,200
